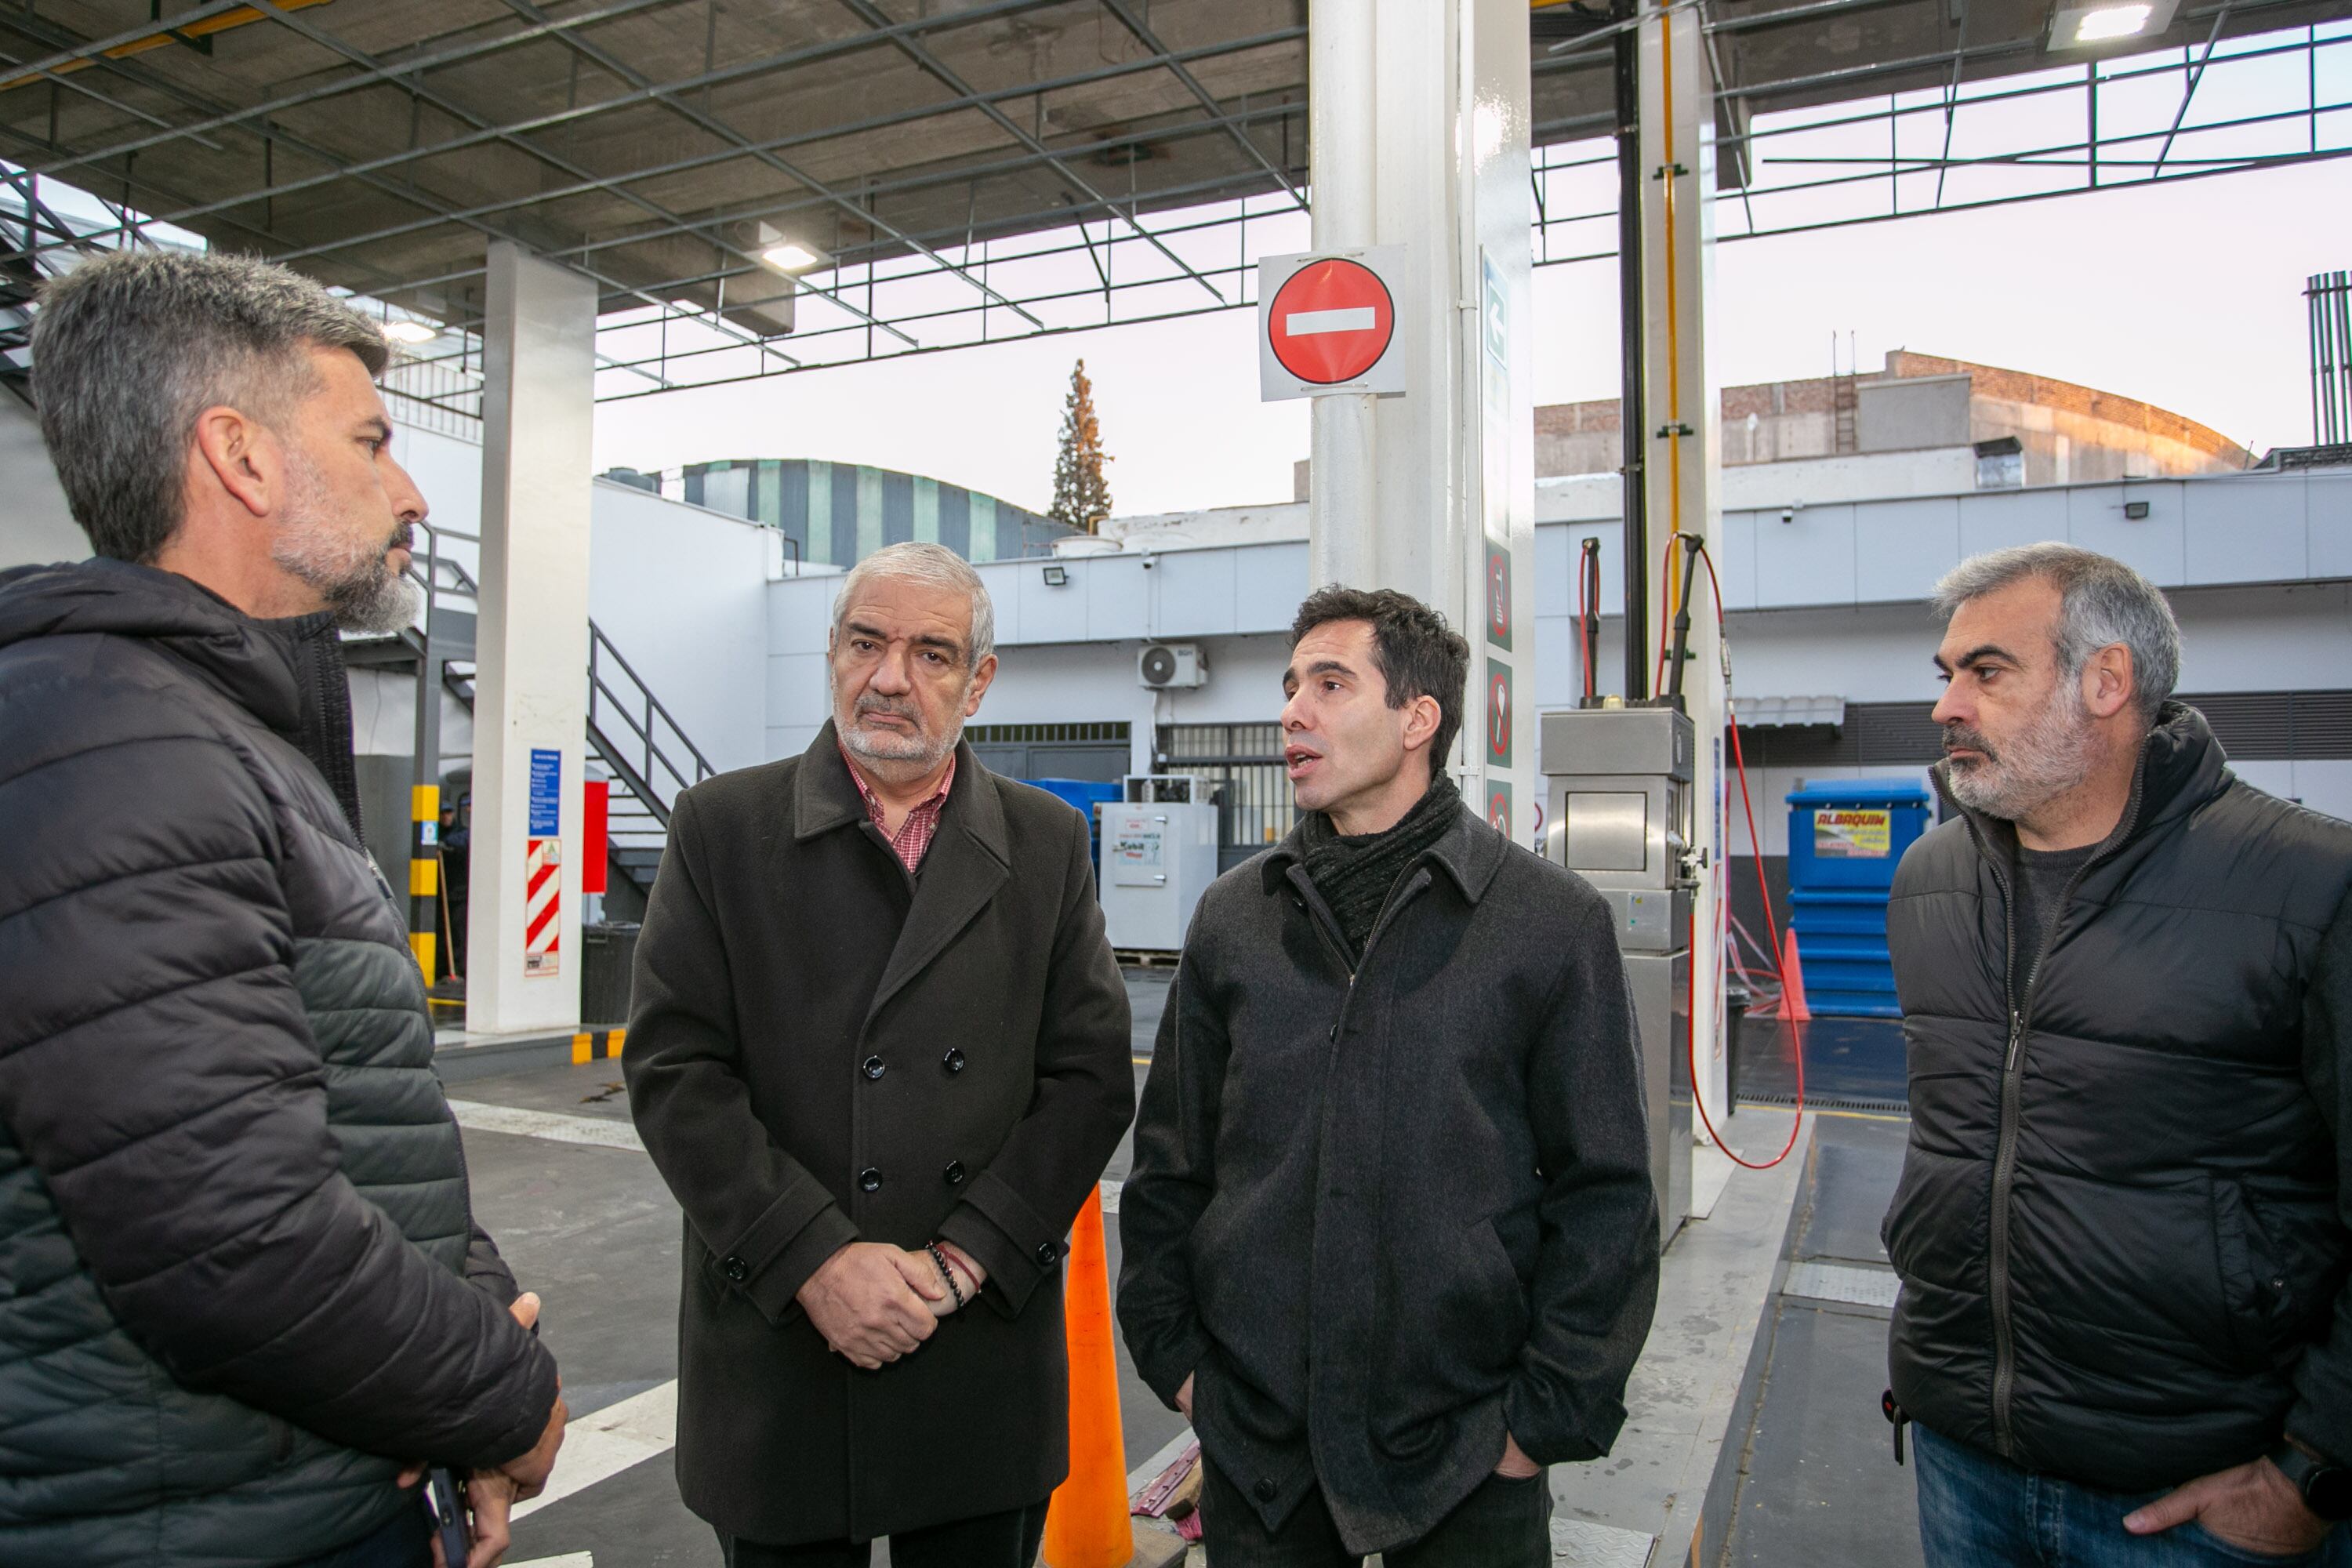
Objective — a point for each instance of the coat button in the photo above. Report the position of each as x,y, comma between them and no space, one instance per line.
869,1180
735,1268
953,1061
1266,1489
873,1067
1047,1254
954,1173
1335,1031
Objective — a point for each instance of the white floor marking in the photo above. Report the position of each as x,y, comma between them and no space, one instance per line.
601,1131
1842,1282
569,1560
598,1447
1591,1545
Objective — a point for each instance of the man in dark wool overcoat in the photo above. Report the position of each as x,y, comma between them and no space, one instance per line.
879,1051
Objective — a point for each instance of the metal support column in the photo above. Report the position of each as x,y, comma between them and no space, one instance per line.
425,791
1421,140
1682,465
522,969
1633,434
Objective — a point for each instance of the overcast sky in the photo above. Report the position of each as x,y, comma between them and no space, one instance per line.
2189,296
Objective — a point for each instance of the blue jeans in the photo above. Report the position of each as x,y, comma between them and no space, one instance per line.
1978,1510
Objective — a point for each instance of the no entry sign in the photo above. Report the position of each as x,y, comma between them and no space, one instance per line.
1327,324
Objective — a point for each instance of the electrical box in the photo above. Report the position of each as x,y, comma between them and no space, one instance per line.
1619,795
1164,666
1159,855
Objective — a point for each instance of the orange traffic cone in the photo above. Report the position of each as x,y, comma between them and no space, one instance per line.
1792,1008
1087,1525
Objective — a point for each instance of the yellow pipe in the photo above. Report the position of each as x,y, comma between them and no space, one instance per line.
227,21
1674,308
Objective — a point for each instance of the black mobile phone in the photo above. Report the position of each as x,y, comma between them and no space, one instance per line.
443,1496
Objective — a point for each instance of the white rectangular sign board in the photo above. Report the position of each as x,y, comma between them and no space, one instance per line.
1327,324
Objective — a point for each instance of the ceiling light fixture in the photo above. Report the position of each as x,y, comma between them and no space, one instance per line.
2113,22
2086,24
780,252
411,331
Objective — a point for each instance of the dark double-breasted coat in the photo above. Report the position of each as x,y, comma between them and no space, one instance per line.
824,1049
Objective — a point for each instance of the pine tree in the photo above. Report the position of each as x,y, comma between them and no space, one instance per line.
1081,493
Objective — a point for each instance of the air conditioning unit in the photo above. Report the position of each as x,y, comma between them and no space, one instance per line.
1161,666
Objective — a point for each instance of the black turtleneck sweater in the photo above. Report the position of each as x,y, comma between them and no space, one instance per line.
1355,872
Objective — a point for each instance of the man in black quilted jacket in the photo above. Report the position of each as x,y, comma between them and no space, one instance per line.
242,1296
2124,1335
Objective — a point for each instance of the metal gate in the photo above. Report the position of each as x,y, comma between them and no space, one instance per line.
1097,753
1243,762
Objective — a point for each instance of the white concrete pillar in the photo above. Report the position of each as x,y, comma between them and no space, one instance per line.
531,643
1683,472
1420,139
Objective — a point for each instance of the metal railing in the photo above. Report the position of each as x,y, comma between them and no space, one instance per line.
2330,294
642,754
652,757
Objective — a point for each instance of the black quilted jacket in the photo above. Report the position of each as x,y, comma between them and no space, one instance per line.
234,1232
2121,1222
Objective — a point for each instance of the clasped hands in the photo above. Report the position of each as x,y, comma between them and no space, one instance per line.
874,1302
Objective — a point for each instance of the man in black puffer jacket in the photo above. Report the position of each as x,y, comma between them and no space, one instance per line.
2123,1330
241,1289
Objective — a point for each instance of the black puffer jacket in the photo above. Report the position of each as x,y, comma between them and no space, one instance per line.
234,1223
2120,1226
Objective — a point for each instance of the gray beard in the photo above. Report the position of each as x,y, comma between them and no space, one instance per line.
355,577
2034,768
894,756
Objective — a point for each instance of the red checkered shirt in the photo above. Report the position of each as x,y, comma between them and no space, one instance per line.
913,839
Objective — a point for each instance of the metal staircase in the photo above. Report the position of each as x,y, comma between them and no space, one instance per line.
641,745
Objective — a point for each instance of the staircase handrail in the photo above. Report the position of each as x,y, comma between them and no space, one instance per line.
601,647
639,778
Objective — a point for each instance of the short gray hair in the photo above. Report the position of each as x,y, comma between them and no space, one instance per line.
2101,603
130,347
934,566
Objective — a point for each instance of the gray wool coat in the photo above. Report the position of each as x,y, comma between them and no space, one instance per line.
824,1049
1385,1213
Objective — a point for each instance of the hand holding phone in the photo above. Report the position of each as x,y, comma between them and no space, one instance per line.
450,1533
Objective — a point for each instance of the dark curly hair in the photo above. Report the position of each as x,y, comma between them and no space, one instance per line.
1418,654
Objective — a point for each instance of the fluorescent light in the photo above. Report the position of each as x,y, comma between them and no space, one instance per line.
411,331
780,252
2112,22
2093,23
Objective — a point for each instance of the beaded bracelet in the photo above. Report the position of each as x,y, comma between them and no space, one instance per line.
939,1261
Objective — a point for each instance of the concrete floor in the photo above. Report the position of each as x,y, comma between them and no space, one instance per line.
1818,1483
1856,1062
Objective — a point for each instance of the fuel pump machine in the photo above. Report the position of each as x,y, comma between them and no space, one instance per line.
1620,813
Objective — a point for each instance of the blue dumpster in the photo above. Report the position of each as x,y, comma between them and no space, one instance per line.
1845,838
1085,794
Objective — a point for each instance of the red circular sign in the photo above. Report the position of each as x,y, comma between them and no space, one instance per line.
1498,715
1331,322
